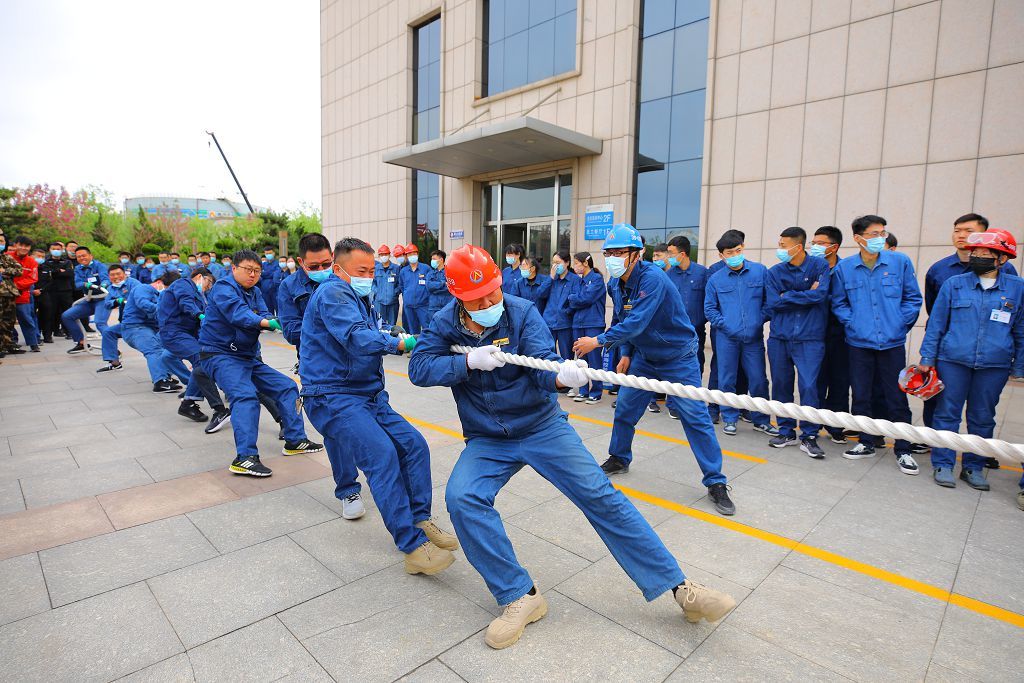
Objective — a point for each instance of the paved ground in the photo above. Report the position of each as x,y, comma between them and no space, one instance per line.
126,549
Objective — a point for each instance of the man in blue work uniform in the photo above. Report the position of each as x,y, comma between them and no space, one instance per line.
117,294
206,260
734,304
163,262
945,268
125,260
510,274
876,298
229,352
975,340
437,285
741,377
691,280
415,295
142,272
273,273
91,279
140,330
315,260
181,309
834,375
384,294
343,393
797,302
511,419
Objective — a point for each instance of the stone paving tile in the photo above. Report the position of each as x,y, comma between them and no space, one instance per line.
77,418
22,588
151,502
350,548
15,401
89,454
50,489
34,407
264,651
11,498
98,639
32,530
288,471
771,511
95,565
431,672
571,643
976,646
837,469
259,518
1001,530
991,577
207,600
178,462
176,669
940,674
5,446
804,484
41,424
30,443
22,465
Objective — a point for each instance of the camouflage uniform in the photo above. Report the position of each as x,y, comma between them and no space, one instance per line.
9,269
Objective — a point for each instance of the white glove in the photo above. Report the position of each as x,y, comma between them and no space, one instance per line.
571,374
480,358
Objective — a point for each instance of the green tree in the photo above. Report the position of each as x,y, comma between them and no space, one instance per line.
101,229
17,218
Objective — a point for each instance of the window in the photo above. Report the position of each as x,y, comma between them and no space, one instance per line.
670,138
527,41
426,125
535,212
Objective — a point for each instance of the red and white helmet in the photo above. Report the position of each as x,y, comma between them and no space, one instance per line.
995,239
924,385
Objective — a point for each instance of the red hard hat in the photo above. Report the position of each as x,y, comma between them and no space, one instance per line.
384,250
924,385
399,250
411,249
995,239
471,273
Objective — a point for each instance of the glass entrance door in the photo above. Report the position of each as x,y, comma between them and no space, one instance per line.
525,211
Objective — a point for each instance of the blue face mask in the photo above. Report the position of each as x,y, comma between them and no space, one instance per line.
56,253
40,260
559,268
226,263
124,262
414,259
488,317
433,263
269,256
616,265
659,262
150,265
673,261
400,260
783,255
735,261
175,261
816,250
319,276
510,260
283,265
140,261
875,245
525,272
199,286
362,285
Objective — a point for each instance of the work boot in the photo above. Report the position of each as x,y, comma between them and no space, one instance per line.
975,479
700,602
944,477
428,559
614,465
190,409
438,536
506,629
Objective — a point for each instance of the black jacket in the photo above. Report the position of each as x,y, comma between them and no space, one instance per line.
56,275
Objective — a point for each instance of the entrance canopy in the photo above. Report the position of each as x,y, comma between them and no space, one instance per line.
516,142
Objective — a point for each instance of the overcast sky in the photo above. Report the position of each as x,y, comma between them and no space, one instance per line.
118,93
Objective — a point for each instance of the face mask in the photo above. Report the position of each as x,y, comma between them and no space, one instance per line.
318,276
150,265
616,265
816,250
525,272
783,255
282,265
559,268
226,263
175,261
3,248
385,259
269,256
874,245
199,286
980,265
400,260
414,259
291,265
192,263
673,261
488,317
56,253
735,261
433,263
362,285
40,260
659,262
510,260
124,262
140,261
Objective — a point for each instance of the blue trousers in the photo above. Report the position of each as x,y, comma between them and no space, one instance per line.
146,341
693,415
110,336
871,369
979,388
415,318
241,378
593,359
486,465
388,312
791,360
741,377
610,361
175,367
563,342
27,320
733,355
81,310
199,384
366,432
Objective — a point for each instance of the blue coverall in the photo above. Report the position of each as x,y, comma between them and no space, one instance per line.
144,274
536,290
587,302
178,311
509,277
662,344
270,280
229,352
384,293
415,297
511,419
741,377
437,285
140,329
111,333
342,371
86,277
161,268
975,339
692,284
558,314
796,342
292,298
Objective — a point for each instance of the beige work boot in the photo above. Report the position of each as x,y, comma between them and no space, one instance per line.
697,600
438,536
506,629
428,559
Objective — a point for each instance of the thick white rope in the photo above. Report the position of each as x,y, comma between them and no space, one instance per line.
1005,452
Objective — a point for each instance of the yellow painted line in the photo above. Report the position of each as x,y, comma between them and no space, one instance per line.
281,344
434,427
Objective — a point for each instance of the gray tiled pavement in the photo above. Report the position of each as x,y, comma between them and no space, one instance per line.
276,586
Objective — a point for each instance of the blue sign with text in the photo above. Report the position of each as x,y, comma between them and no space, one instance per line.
597,220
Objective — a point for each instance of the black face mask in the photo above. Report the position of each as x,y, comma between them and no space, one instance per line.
980,265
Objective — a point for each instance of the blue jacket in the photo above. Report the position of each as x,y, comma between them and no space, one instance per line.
692,284
509,277
876,306
270,280
961,328
510,402
179,309
233,317
385,284
536,290
140,308
217,269
715,267
343,344
95,273
292,298
948,267
798,313
437,285
413,284
161,268
734,302
122,291
557,313
143,274
587,301
652,318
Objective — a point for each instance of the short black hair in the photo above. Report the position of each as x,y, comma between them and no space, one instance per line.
730,239
83,248
114,266
203,253
834,234
268,248
346,245
795,233
862,223
314,241
56,244
681,243
515,248
174,253
163,253
438,252
968,217
245,255
534,261
201,270
23,239
170,276
891,241
124,253
661,246
140,255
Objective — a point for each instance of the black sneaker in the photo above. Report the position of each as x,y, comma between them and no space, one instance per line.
745,416
859,452
280,433
716,418
837,436
17,351
782,440
47,340
77,348
614,391
35,348
920,449
653,407
220,418
250,465
110,367
673,414
614,465
719,495
810,447
300,447
190,409
164,387
991,464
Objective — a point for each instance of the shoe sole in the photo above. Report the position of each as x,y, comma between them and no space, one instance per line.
728,512
910,472
430,571
614,472
345,515
837,442
204,418
946,484
783,445
712,618
287,451
816,456
539,613
213,429
728,433
977,488
242,470
859,456
172,390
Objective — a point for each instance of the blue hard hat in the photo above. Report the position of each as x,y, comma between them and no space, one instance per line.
623,236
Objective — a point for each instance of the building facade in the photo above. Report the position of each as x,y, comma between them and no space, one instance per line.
497,121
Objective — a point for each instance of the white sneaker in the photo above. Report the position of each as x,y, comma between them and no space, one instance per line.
907,463
571,393
93,335
352,507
